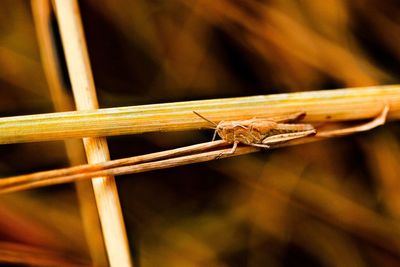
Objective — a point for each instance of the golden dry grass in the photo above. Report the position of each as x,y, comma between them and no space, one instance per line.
328,203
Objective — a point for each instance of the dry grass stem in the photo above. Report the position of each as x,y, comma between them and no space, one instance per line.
42,15
105,189
148,162
320,106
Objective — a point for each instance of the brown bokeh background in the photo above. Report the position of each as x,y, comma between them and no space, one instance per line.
332,203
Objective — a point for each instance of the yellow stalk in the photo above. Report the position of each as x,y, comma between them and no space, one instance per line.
327,105
105,189
42,15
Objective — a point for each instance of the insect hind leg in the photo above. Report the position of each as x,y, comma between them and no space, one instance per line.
287,137
260,145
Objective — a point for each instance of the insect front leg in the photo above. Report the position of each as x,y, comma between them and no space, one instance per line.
234,147
239,132
235,144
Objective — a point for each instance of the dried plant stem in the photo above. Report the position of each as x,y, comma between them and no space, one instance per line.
113,163
42,14
105,189
148,162
321,106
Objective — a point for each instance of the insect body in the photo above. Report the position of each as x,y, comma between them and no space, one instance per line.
261,132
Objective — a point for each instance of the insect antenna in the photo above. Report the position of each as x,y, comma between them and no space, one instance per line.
213,123
204,118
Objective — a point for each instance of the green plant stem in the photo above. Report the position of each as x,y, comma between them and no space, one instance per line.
321,106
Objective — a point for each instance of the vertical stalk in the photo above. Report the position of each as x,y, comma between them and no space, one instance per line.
42,12
96,148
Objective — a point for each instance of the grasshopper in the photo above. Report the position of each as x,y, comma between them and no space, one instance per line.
261,132
266,132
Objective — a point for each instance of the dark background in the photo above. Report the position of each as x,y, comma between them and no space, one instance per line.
256,210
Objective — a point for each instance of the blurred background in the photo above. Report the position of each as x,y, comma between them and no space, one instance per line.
332,203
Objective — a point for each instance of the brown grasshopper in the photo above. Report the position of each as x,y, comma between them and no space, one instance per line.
261,132
266,132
